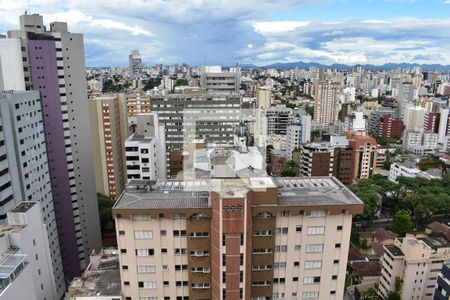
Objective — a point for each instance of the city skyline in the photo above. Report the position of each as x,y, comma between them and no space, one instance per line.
260,33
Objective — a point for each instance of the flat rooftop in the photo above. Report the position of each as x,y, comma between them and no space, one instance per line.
394,250
96,283
172,194
23,207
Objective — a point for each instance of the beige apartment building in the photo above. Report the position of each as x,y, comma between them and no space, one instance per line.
137,104
248,238
417,261
108,121
326,102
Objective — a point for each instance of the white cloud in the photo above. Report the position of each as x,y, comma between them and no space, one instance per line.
353,42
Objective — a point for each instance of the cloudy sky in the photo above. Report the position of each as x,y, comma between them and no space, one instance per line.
250,31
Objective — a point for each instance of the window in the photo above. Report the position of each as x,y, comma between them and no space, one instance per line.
178,216
199,234
147,284
298,228
146,269
141,217
339,228
316,230
264,214
279,280
337,245
163,233
334,277
145,252
279,265
311,280
282,248
282,230
262,233
314,248
310,295
262,251
143,234
336,261
284,213
297,247
318,213
313,264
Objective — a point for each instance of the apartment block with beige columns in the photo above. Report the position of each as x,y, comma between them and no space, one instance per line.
248,238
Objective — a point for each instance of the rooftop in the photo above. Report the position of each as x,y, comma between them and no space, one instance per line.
97,283
23,207
171,194
394,250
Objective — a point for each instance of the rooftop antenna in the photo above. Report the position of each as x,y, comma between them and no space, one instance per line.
29,7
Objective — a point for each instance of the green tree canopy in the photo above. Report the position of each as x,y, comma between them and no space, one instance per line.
402,222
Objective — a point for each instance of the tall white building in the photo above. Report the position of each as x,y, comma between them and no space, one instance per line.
53,63
414,118
11,69
22,135
444,125
298,134
145,150
405,97
416,261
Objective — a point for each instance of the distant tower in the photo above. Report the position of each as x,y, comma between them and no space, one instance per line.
326,102
135,62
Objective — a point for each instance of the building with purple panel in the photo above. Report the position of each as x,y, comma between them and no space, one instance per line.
42,61
53,63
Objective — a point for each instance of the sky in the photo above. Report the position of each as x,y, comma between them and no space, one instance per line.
260,32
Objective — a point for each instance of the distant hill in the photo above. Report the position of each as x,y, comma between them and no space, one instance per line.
387,66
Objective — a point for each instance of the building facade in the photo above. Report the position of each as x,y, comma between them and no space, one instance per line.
326,102
254,238
417,262
107,121
26,167
195,114
53,63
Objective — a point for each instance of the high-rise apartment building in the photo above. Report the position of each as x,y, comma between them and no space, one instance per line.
405,98
415,261
135,63
326,102
251,238
275,120
138,104
326,159
26,261
25,169
263,98
108,121
53,63
145,150
431,122
364,154
414,118
214,80
197,115
298,134
442,290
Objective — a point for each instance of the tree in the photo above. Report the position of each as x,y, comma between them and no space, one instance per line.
289,171
105,205
368,193
393,296
151,83
402,222
387,165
